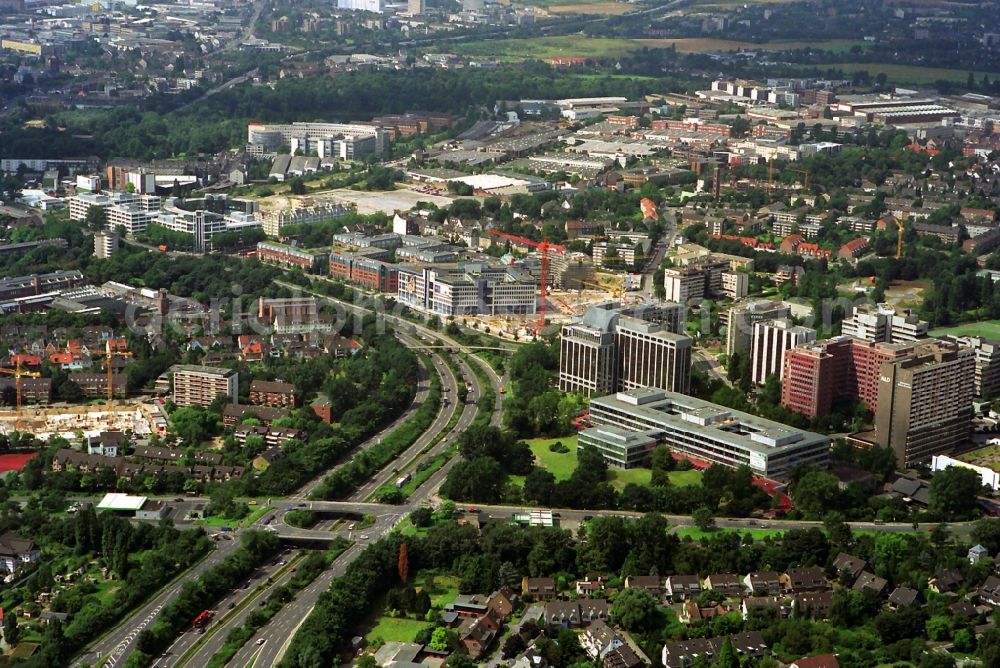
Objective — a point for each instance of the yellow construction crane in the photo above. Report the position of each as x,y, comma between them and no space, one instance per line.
770,177
805,173
18,373
109,356
899,239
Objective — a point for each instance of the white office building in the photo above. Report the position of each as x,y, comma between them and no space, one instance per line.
771,338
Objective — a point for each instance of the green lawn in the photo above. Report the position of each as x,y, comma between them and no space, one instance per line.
442,588
988,329
562,465
391,629
685,478
559,464
907,73
758,534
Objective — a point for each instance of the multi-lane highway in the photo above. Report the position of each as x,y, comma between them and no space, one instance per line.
269,644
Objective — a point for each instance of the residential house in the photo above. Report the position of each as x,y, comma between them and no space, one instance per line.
268,457
763,583
946,581
852,566
764,606
978,553
538,588
476,635
869,582
574,614
233,414
16,550
503,601
727,584
650,583
107,444
691,612
682,587
819,661
796,580
812,605
683,653
622,656
902,597
989,591
588,587
963,611
599,639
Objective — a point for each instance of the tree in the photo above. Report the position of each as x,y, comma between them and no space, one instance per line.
11,632
953,492
480,479
634,609
297,186
816,493
439,640
403,563
728,657
703,518
193,425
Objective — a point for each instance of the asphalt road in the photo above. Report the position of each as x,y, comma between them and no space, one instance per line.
271,641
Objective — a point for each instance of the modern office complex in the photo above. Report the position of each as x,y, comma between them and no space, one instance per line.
771,338
200,385
468,288
708,277
700,429
925,402
614,347
741,319
274,135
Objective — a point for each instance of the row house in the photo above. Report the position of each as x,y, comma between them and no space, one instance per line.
682,587
575,614
683,653
810,578
272,436
692,613
233,414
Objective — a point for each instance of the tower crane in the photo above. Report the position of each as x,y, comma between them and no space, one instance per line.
109,356
899,238
805,173
18,373
545,247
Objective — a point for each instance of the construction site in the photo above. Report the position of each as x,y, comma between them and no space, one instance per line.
72,422
561,307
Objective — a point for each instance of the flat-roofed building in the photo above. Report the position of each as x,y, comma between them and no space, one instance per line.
199,385
881,322
771,338
987,353
615,347
741,319
709,431
925,402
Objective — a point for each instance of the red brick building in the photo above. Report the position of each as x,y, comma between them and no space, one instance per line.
364,271
272,393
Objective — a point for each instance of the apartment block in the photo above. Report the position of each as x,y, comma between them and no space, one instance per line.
925,402
289,257
703,430
881,322
710,276
95,385
987,353
364,270
816,375
741,319
105,244
771,338
614,347
272,393
200,385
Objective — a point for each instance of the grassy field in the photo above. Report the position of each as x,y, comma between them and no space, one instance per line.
570,46
562,465
908,73
758,534
704,44
442,588
559,464
391,629
545,48
988,329
597,8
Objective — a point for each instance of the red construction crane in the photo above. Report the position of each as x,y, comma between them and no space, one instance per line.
544,246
